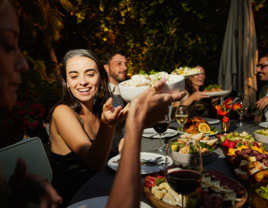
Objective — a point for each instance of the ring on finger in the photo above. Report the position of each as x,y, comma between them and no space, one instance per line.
156,89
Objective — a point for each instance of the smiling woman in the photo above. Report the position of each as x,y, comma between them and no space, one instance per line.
82,124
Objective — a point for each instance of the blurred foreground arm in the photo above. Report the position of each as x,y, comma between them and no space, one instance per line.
27,187
126,190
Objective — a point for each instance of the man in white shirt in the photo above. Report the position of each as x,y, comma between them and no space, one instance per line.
115,64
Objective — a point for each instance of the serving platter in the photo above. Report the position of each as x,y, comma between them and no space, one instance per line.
144,169
151,133
218,93
161,204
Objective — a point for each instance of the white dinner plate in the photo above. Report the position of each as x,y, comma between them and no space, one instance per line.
218,93
187,76
204,134
264,124
151,133
212,120
144,169
98,202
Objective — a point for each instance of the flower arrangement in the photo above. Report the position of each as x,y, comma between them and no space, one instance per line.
224,108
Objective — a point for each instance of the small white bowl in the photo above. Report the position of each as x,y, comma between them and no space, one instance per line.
190,158
128,93
260,138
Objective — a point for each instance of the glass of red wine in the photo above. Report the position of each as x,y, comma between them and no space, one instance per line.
184,180
161,128
199,107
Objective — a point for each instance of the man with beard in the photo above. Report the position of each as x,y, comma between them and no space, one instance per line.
262,112
115,64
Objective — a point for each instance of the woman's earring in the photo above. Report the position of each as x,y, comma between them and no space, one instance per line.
101,90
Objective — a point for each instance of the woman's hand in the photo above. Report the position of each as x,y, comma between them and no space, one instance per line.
198,96
26,187
113,115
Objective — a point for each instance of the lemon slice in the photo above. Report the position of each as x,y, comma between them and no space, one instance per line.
203,128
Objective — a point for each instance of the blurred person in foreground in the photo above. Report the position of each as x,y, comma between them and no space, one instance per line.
261,112
25,187
115,64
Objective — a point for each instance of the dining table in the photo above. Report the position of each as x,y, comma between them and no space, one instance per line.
101,184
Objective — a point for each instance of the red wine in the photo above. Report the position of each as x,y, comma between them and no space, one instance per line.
183,181
200,112
160,128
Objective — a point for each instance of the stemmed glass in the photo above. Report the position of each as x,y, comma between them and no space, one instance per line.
199,107
241,111
181,180
160,128
182,115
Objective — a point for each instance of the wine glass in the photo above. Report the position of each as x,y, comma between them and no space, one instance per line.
184,180
241,111
182,116
199,107
160,128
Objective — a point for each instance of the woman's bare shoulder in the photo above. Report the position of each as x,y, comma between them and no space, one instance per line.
63,111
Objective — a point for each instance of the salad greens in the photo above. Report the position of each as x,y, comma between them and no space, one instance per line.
211,86
262,191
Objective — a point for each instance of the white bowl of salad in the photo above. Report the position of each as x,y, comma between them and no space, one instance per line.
140,82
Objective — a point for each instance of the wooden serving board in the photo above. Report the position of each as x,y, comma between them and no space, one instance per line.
161,204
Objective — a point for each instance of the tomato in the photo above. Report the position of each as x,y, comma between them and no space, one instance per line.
231,145
225,143
225,119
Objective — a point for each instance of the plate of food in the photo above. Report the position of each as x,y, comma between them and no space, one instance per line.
246,154
264,124
261,135
140,82
184,149
99,202
198,125
151,133
215,186
187,72
215,90
145,169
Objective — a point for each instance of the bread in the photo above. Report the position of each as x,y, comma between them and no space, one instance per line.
241,174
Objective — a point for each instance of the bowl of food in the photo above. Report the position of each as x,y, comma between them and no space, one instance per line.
258,189
261,135
185,150
140,82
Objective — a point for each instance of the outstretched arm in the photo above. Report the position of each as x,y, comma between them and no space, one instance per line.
67,126
127,187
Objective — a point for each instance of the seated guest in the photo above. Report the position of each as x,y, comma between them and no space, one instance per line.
25,187
82,124
261,114
194,92
115,64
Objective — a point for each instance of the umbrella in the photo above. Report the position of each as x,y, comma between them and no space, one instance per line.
239,52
